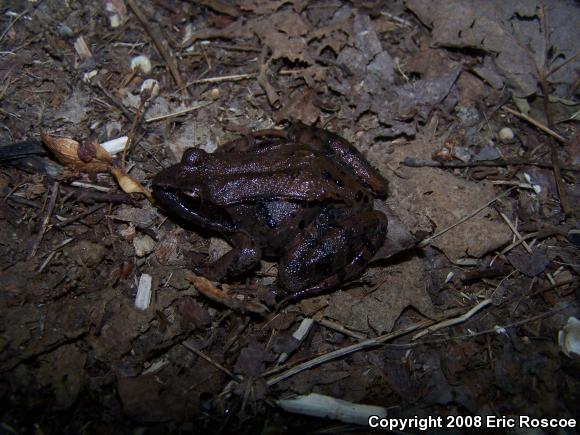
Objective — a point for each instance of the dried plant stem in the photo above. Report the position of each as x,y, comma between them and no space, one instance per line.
115,102
217,365
516,232
45,219
428,240
419,163
180,112
158,41
494,330
536,124
564,200
131,134
453,321
80,215
345,351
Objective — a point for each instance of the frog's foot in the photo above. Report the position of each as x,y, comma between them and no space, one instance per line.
244,256
318,260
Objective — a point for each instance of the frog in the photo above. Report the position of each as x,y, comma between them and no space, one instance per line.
301,195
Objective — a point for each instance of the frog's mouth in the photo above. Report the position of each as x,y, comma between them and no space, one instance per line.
187,204
182,202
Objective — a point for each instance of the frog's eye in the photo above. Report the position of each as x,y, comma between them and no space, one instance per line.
193,156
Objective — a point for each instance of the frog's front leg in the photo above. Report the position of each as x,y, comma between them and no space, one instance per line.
243,257
324,256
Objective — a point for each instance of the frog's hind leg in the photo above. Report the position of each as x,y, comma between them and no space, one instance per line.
324,256
243,257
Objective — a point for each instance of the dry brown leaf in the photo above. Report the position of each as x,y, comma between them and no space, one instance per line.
205,287
90,157
129,184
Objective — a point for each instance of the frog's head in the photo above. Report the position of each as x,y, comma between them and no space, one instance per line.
181,190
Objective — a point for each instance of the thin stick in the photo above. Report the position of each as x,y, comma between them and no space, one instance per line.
517,243
419,163
131,134
337,327
53,252
79,216
516,233
11,23
46,219
563,64
230,78
573,281
116,103
211,361
564,200
345,351
428,240
493,330
157,40
90,186
453,321
179,112
536,124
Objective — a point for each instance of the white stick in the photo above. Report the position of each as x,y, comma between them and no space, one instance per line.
318,405
143,298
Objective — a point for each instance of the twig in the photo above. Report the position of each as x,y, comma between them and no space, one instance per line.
419,163
180,112
536,124
52,253
337,327
11,23
562,65
397,19
573,281
518,242
516,233
132,130
428,240
345,351
234,47
90,186
199,353
45,220
493,330
453,321
564,200
79,216
230,78
157,40
542,72
116,103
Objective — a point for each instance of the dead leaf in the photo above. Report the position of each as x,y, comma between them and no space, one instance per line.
528,264
510,32
300,107
129,184
402,286
87,158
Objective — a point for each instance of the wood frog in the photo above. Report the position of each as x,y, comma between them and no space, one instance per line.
303,196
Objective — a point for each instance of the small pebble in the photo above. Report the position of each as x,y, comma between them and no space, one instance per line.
151,87
141,64
506,134
144,245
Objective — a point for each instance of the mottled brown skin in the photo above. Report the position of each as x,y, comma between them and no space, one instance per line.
302,195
